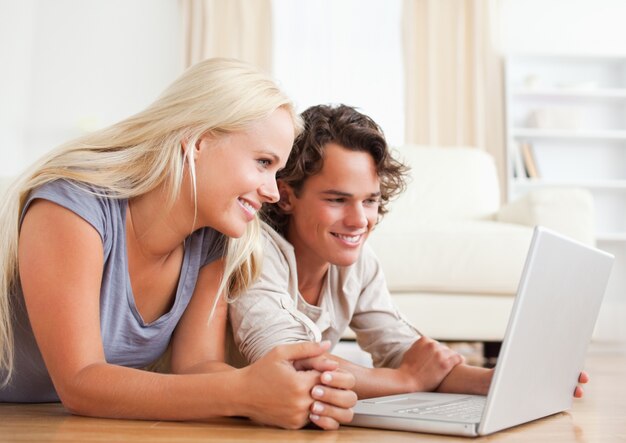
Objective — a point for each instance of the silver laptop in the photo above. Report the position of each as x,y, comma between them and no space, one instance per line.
542,354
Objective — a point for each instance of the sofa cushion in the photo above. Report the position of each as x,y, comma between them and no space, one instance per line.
482,257
447,183
456,317
565,210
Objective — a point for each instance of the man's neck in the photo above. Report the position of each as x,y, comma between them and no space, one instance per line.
311,274
310,284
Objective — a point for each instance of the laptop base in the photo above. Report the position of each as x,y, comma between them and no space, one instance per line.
407,424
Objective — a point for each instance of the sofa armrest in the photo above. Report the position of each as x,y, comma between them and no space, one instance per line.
565,210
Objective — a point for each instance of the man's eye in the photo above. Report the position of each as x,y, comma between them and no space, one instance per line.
335,200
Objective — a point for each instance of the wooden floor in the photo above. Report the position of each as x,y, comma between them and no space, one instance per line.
599,417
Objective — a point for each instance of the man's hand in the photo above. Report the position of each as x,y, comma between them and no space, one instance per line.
333,396
426,363
582,379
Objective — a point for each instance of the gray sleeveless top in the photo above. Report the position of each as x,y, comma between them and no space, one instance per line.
128,340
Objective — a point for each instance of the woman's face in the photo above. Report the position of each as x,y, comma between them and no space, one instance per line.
236,172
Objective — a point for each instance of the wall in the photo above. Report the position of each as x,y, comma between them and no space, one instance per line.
69,66
325,52
564,26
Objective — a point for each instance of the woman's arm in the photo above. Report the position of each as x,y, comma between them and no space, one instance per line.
199,341
60,260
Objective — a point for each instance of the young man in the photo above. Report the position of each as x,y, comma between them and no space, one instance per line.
319,276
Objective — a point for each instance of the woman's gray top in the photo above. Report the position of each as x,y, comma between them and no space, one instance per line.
127,339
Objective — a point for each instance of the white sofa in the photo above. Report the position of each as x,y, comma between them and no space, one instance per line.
452,255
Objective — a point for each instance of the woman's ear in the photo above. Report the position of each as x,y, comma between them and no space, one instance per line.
184,144
286,197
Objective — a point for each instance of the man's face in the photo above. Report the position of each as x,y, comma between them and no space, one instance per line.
336,210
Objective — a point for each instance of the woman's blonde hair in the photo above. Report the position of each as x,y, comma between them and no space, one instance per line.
128,159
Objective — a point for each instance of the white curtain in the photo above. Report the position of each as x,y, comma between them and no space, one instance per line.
228,28
453,76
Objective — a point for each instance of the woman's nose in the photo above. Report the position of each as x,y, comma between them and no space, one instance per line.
269,191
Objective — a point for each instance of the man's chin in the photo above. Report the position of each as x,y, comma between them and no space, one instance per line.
346,260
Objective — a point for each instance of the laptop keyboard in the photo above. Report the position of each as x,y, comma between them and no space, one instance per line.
465,409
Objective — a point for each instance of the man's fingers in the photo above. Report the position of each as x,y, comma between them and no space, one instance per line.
457,359
339,379
301,351
324,422
578,392
341,398
335,414
320,364
583,377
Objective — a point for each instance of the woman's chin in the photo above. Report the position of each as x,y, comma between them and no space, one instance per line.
233,231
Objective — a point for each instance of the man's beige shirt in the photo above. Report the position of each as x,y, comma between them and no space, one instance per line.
272,311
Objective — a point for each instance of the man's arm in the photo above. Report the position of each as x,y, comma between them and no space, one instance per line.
423,368
405,360
465,379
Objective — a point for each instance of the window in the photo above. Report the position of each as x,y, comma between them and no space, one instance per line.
347,51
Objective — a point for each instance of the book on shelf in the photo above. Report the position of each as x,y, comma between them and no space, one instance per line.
529,160
519,170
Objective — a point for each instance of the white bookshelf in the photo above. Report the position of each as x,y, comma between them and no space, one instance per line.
571,134
571,111
595,94
526,184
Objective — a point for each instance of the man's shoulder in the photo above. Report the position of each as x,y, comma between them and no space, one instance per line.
278,253
364,270
273,242
273,279
368,260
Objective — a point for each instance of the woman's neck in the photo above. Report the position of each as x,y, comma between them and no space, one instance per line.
155,230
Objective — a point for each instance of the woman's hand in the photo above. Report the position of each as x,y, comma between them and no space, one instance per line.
281,395
334,399
334,396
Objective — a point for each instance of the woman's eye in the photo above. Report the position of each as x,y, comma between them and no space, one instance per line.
264,162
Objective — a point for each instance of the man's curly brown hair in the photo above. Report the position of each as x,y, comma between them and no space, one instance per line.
345,126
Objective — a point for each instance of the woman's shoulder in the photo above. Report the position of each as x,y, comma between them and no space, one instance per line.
95,205
212,243
70,190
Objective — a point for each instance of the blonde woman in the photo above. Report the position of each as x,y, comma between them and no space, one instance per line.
116,244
